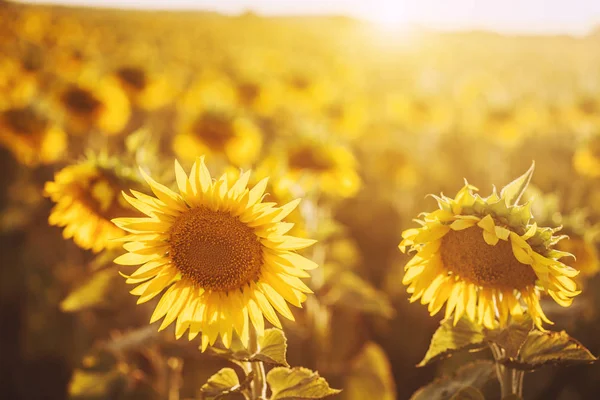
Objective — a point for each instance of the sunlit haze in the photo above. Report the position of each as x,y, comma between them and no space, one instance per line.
575,17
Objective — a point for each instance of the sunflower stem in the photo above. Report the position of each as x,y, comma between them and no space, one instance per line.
511,380
259,382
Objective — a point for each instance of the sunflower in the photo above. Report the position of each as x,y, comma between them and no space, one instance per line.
145,90
587,158
220,250
485,259
32,138
87,197
92,104
313,162
219,132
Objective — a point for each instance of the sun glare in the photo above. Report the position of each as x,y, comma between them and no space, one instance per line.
390,18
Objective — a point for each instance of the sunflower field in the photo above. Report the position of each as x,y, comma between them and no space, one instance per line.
200,206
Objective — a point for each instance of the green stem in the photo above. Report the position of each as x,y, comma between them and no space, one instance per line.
259,381
511,380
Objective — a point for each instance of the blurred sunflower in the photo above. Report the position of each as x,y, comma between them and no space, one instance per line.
147,91
223,254
314,163
32,138
92,104
18,87
587,158
484,257
87,197
219,132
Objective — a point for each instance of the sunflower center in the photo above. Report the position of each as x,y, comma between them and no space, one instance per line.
215,130
248,92
133,77
81,101
307,158
466,254
24,121
215,250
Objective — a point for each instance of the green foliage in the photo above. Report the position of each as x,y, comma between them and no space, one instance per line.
448,339
370,373
550,348
352,291
297,384
221,384
91,293
474,375
272,349
514,190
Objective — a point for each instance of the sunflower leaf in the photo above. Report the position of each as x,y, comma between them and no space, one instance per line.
91,293
474,375
448,339
273,347
513,336
514,190
550,348
221,384
350,290
297,384
370,373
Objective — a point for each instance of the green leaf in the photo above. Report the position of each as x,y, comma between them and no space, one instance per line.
220,384
370,373
351,291
272,349
550,348
448,339
468,393
297,384
475,375
513,336
92,293
513,191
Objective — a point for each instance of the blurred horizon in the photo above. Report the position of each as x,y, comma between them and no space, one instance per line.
536,17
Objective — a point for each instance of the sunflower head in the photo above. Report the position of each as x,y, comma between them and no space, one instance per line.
314,163
87,198
145,90
31,137
485,258
98,104
223,255
222,133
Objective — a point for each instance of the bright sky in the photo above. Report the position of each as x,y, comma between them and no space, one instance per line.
509,16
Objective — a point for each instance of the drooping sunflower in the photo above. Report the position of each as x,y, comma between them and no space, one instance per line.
31,137
87,198
220,251
485,258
